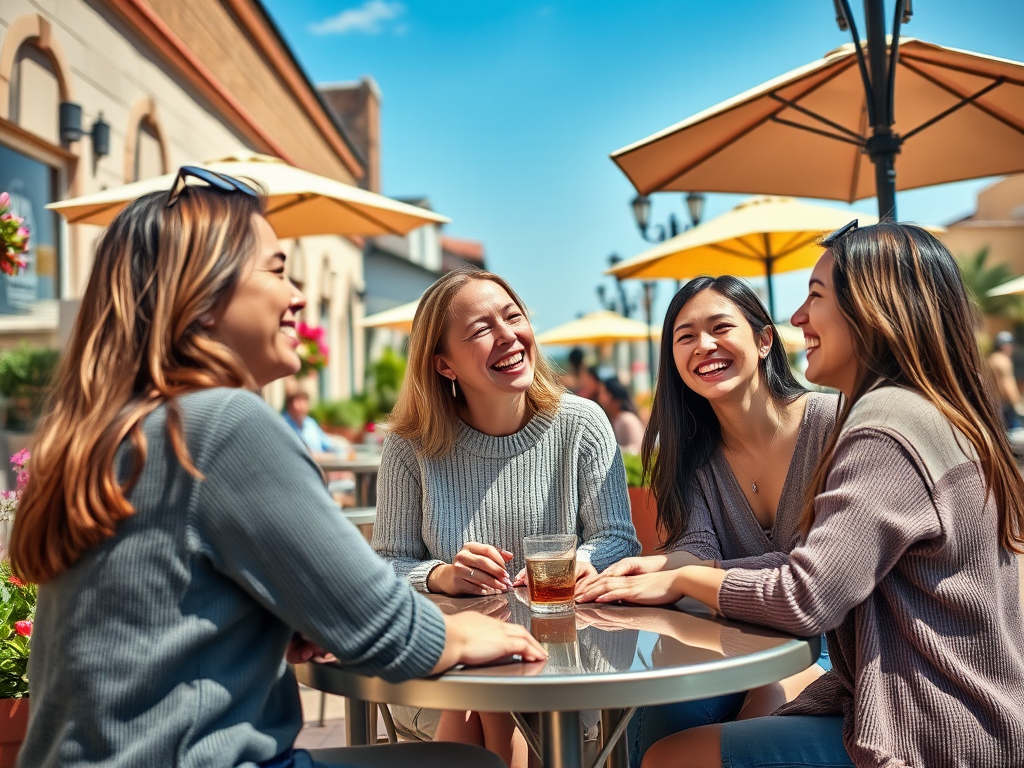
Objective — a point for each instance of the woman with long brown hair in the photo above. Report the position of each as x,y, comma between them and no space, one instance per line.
485,449
911,528
180,532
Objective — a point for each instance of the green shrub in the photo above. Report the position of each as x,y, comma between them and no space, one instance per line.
340,413
634,470
25,376
384,381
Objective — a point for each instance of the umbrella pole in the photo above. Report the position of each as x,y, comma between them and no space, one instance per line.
771,291
883,145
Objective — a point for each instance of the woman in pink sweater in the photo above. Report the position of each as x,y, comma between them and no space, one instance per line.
913,522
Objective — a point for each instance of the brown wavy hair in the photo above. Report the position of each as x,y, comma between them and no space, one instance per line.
426,413
140,340
912,323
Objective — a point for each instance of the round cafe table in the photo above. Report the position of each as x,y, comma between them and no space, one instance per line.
611,658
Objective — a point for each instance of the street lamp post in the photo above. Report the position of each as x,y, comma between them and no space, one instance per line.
642,213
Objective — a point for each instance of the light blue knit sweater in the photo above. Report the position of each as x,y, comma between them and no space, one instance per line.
558,474
164,645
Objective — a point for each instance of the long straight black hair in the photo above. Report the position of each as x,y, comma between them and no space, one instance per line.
683,431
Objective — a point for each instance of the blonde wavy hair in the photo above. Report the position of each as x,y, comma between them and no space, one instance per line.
426,413
140,341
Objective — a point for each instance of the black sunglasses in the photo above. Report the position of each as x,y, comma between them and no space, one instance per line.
220,181
830,240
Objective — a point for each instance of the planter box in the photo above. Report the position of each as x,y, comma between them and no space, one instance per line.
13,725
644,509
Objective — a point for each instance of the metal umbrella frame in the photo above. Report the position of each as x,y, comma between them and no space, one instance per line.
808,114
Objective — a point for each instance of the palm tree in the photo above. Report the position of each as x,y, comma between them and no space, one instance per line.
980,278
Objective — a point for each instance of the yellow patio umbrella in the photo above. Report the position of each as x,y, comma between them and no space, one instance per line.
760,237
602,327
397,318
299,203
952,115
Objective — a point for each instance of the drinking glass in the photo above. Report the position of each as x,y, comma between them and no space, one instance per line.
551,572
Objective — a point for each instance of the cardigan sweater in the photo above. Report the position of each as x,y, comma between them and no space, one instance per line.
904,572
561,473
164,645
722,525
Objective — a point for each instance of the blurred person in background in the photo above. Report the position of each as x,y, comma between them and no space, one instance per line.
182,538
296,415
618,404
1000,363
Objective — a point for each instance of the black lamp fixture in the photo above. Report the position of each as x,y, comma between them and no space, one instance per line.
71,128
642,213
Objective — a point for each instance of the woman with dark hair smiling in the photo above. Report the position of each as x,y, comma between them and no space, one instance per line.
912,522
731,447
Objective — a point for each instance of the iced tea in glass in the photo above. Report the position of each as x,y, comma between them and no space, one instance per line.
551,572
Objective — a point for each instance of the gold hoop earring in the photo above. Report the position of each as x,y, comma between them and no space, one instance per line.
454,394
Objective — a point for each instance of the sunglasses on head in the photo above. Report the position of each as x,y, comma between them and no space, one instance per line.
829,240
220,181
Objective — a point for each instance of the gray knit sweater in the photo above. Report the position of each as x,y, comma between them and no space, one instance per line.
904,572
558,474
722,525
164,645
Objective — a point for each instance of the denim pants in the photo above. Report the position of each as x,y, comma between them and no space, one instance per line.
650,724
789,741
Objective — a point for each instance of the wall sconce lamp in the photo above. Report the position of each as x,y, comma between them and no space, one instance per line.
71,128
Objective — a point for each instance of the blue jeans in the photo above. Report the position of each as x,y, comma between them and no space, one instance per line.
650,724
790,741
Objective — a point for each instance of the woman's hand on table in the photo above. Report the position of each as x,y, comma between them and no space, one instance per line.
472,638
301,650
646,589
478,569
698,581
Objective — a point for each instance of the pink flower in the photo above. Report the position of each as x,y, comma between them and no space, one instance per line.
23,628
23,231
5,199
20,459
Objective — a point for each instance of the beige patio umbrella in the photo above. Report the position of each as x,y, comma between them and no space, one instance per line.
397,318
1006,289
602,327
954,115
760,237
299,203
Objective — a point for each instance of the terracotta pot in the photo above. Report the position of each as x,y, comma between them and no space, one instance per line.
644,509
13,725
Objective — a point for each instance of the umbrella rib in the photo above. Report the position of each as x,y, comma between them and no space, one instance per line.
815,116
792,246
959,105
955,67
839,69
732,252
750,248
349,207
858,158
857,142
303,197
96,212
956,92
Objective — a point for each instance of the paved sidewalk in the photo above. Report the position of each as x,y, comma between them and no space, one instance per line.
332,733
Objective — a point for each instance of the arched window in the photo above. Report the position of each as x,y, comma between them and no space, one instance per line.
149,152
35,93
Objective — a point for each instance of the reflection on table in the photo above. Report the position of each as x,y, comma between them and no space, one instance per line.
611,658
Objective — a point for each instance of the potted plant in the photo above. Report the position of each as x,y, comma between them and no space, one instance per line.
17,612
25,375
341,417
312,349
643,506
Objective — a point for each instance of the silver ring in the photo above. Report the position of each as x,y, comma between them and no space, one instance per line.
471,572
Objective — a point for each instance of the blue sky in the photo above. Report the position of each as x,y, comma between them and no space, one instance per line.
504,113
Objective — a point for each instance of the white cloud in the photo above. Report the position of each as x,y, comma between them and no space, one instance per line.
369,19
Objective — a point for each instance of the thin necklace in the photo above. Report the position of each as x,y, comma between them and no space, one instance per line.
778,423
